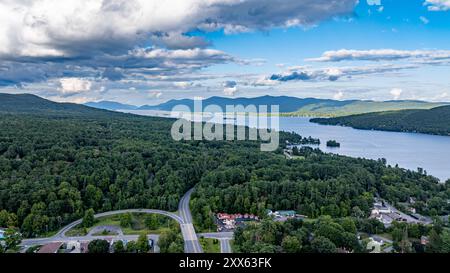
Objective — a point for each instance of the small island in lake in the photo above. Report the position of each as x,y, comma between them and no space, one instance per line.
333,144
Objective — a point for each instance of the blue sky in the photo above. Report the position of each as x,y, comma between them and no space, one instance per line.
379,50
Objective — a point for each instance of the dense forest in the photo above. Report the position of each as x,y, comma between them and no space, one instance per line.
58,161
314,185
434,121
330,235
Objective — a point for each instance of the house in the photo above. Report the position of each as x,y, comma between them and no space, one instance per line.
50,248
424,240
374,245
285,213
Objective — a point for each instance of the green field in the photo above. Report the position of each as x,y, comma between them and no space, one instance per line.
138,225
210,245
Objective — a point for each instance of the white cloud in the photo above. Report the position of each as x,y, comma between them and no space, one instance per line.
382,54
437,5
155,94
230,91
396,93
339,95
424,20
335,73
230,88
74,85
54,28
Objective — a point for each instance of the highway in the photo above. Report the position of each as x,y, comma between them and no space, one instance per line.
62,232
191,243
42,241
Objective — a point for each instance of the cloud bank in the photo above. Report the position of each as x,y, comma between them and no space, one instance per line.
131,39
437,5
383,55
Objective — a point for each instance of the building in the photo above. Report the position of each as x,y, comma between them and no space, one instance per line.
374,246
424,240
50,248
285,213
231,221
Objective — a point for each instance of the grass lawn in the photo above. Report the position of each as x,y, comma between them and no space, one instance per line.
77,231
105,233
136,226
210,245
232,246
386,235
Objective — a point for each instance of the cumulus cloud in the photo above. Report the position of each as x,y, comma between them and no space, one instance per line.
230,88
339,95
396,93
70,86
437,5
383,55
53,28
155,95
131,39
334,73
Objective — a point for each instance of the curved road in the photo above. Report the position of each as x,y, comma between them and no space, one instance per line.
62,232
191,243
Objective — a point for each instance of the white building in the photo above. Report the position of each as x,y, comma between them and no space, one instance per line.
374,246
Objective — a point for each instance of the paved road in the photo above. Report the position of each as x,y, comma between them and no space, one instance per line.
191,243
218,235
225,246
224,239
409,219
62,232
42,241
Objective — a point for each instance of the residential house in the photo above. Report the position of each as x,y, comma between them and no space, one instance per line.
374,245
424,240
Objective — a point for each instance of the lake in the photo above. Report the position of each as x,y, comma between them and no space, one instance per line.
408,150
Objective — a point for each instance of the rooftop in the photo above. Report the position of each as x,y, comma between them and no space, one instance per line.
50,248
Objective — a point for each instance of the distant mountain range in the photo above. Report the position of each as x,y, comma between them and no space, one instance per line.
111,105
290,106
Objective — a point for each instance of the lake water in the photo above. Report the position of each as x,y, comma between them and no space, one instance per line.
408,150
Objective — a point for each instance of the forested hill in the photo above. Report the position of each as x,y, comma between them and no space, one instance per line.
31,104
54,170
293,106
434,121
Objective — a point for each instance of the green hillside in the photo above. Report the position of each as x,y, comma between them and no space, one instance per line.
56,168
433,121
293,106
359,107
31,104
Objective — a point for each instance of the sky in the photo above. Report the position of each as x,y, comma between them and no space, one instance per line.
148,51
